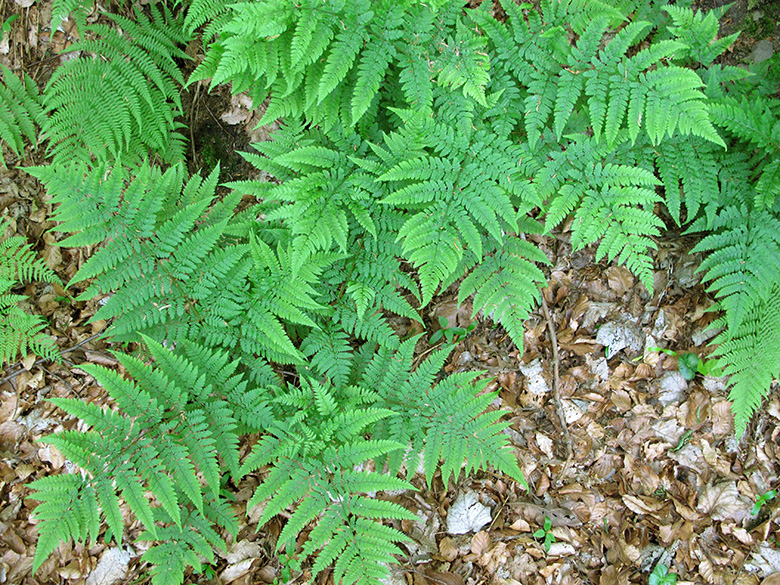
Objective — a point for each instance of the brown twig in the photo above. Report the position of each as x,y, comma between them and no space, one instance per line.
41,360
557,387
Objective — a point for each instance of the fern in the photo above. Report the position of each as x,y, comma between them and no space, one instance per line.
447,423
119,98
751,355
316,60
173,420
698,32
21,332
423,145
21,112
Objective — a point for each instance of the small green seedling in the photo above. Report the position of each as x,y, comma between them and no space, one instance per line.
662,576
7,25
761,500
451,334
546,533
690,364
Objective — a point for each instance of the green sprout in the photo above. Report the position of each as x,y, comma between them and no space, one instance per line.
690,364
761,500
546,533
451,334
662,576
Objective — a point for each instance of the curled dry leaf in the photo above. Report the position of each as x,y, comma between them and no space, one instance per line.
236,571
773,579
722,419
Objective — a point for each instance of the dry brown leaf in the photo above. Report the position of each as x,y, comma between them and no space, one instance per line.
52,255
520,525
545,444
610,576
496,557
448,549
619,279
716,460
50,454
480,542
236,571
642,505
722,418
722,501
442,578
773,579
621,400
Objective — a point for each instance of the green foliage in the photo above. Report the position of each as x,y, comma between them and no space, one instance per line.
662,576
451,334
21,332
423,145
761,500
120,96
545,532
171,440
21,112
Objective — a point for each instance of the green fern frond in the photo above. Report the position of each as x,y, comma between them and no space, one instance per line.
743,264
119,98
506,286
172,425
20,332
751,356
21,112
698,32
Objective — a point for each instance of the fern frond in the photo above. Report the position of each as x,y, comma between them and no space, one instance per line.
159,441
751,356
743,264
119,98
507,286
21,333
21,112
698,33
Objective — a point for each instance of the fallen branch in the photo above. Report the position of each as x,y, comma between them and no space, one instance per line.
557,388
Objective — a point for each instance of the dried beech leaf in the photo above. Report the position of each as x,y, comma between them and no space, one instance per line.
722,501
448,550
441,578
480,542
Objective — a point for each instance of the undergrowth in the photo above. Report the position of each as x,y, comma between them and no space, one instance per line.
421,144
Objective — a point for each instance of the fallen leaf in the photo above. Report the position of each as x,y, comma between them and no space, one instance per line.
233,572
642,505
480,542
723,501
467,514
448,550
111,568
545,444
441,578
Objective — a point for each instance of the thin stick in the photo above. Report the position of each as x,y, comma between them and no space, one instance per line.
41,360
557,387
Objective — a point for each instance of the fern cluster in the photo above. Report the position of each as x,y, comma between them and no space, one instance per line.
20,332
421,145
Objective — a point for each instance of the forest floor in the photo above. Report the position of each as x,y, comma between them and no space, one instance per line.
643,469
